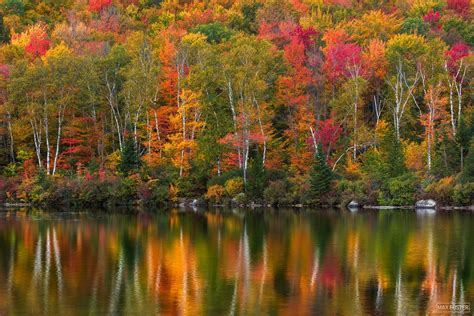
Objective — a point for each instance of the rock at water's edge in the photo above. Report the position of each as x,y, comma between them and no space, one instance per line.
425,204
353,205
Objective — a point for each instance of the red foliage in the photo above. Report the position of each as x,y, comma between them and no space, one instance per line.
98,5
341,60
432,17
331,276
305,36
277,32
4,71
77,140
38,45
461,7
328,133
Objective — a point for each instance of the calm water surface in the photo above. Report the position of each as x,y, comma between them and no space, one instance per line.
235,262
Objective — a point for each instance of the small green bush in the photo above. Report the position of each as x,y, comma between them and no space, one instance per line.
399,191
464,194
276,193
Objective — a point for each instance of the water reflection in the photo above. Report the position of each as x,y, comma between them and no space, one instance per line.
234,262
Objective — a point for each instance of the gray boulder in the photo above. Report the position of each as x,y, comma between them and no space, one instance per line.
353,205
426,204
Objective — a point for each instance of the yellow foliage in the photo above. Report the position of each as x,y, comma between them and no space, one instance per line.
22,39
173,193
112,160
352,168
374,25
415,156
234,186
443,189
215,192
58,51
381,129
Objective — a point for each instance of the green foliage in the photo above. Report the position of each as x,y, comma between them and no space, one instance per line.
399,191
224,177
12,7
214,32
4,32
457,29
320,178
277,193
256,177
464,193
247,21
357,190
441,190
392,155
414,25
467,174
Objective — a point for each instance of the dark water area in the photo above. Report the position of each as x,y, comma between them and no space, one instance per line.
226,262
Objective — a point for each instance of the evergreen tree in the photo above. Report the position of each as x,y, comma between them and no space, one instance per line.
467,174
256,177
463,138
4,32
320,178
129,159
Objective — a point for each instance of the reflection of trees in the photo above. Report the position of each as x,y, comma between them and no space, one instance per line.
245,263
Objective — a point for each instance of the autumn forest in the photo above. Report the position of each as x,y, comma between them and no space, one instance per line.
280,102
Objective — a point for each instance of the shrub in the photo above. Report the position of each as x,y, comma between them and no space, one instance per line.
221,179
234,186
463,194
215,193
441,190
276,193
352,190
240,198
152,193
399,191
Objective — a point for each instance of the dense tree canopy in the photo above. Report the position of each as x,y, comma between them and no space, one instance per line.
198,91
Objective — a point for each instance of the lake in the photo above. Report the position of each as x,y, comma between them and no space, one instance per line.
224,262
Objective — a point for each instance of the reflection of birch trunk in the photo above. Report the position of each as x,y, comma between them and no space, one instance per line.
136,284
57,260
264,272
236,282
47,270
314,273
184,299
246,258
398,291
115,295
11,270
455,283
37,269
